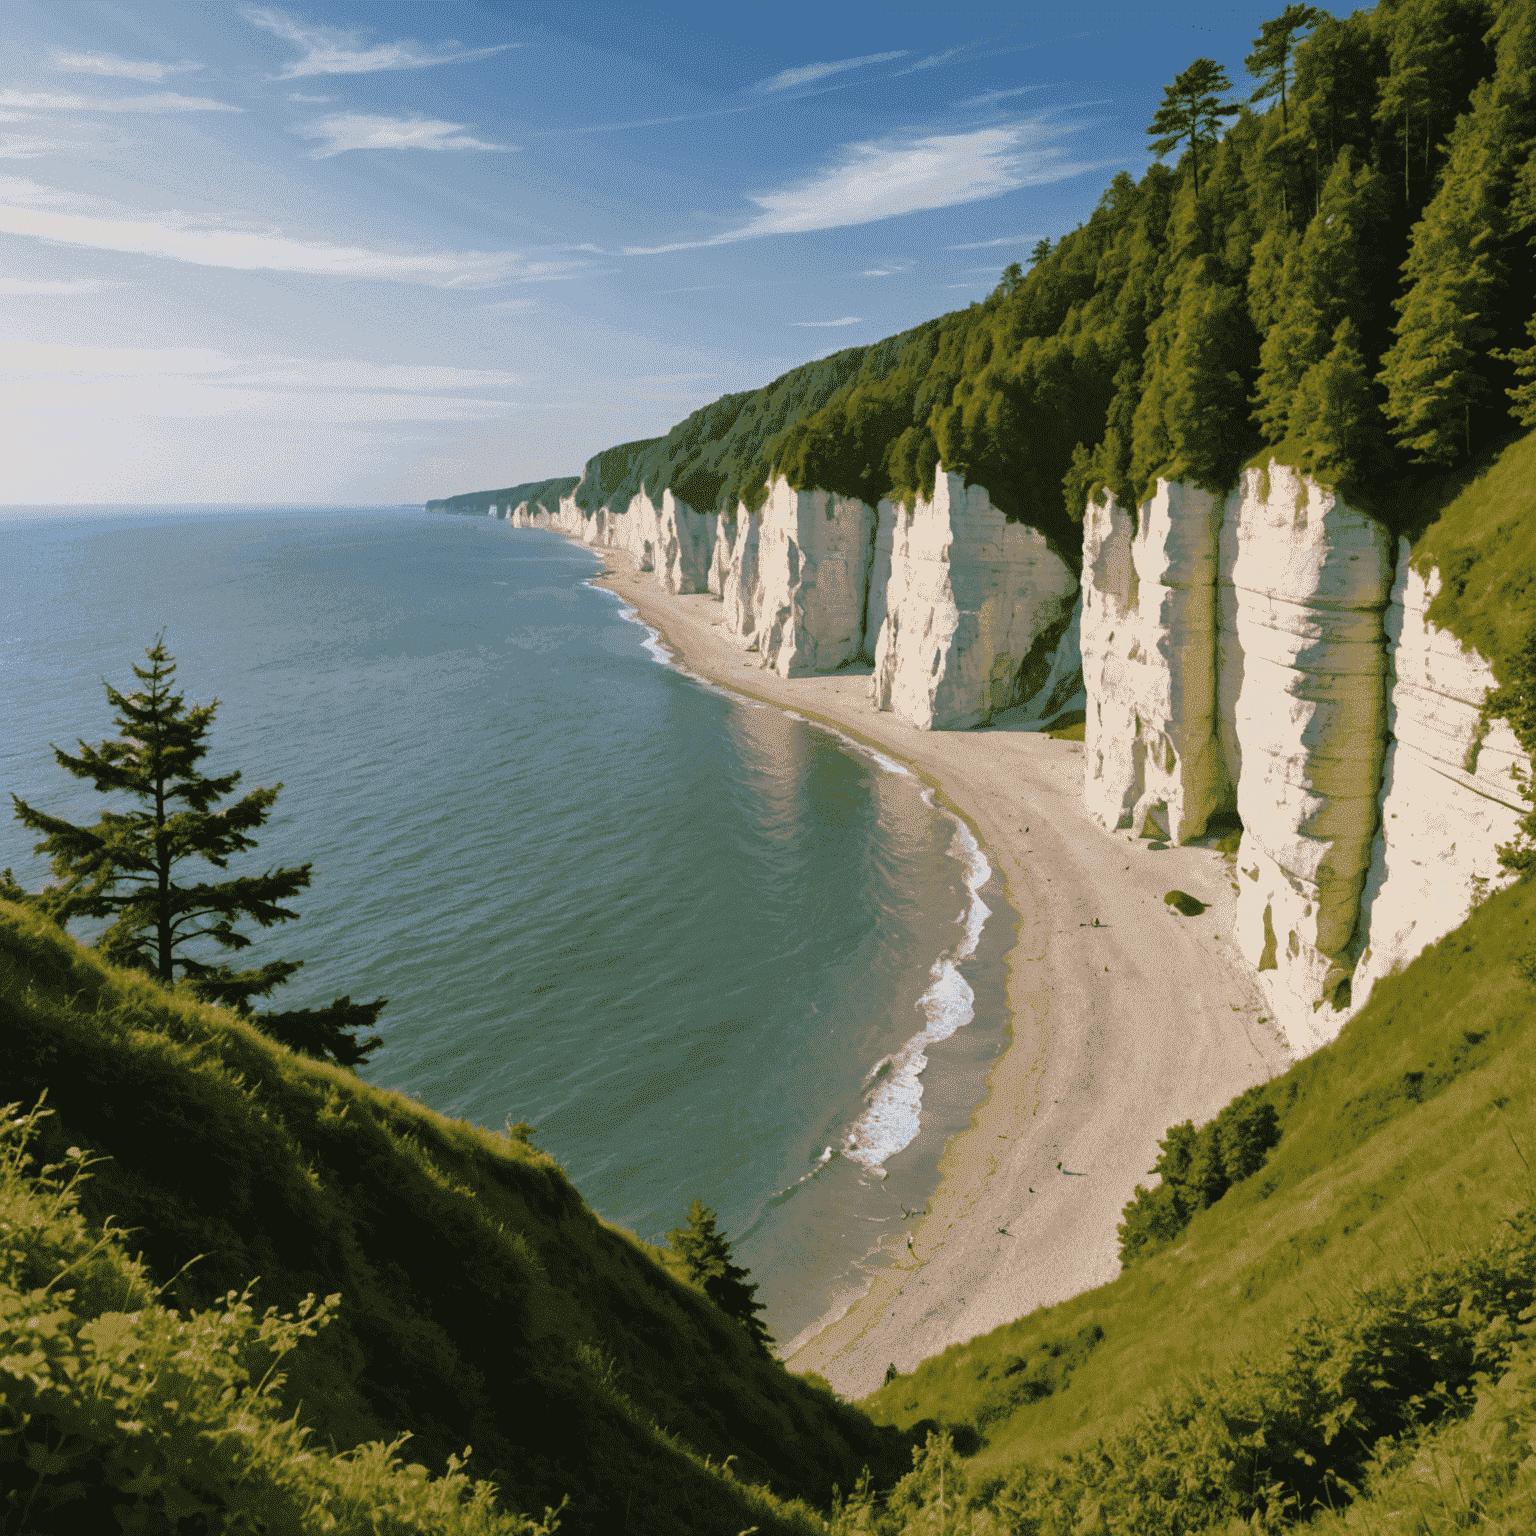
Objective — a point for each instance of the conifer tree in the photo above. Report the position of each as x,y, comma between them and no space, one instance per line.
1270,61
1334,419
1329,275
1191,112
1458,268
125,868
707,1261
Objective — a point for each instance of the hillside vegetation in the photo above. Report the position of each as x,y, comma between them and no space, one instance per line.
1404,1148
481,1303
537,493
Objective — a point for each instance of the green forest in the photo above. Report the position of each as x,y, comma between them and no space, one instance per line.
1332,263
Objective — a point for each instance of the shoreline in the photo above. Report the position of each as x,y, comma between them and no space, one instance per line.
1115,1032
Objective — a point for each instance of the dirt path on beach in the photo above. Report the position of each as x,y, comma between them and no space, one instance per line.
1118,1030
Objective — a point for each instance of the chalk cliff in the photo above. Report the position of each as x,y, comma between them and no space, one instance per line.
976,611
1448,798
1267,653
1152,759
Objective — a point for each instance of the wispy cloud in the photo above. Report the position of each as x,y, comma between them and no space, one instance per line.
32,210
110,64
804,74
893,266
56,287
987,98
355,130
199,382
511,307
820,324
987,245
329,51
165,101
882,180
312,100
15,147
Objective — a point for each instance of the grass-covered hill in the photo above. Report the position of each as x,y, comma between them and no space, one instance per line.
1407,1146
482,1304
1343,276
537,493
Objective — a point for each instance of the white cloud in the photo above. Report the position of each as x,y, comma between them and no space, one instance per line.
14,147
55,286
110,64
29,209
165,101
329,51
987,245
312,100
818,324
804,74
988,97
885,179
893,266
199,382
356,130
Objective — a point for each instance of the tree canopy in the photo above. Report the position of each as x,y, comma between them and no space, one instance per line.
707,1261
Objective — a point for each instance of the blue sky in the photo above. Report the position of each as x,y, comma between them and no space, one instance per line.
347,252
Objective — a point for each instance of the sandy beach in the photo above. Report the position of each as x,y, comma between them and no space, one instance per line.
1117,1030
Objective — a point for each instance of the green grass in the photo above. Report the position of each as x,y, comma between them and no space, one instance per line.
1484,542
1405,1137
482,1303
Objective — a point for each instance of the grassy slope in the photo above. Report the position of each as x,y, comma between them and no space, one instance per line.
1484,542
482,1302
1405,1134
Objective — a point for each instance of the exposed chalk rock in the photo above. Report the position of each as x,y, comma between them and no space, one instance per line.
877,582
739,585
1449,794
812,563
720,555
1151,756
1305,583
976,608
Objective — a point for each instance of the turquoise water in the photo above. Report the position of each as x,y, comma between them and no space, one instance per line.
703,946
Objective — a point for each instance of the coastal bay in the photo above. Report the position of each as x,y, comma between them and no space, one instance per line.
1126,1017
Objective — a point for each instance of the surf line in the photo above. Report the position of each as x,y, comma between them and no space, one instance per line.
892,1088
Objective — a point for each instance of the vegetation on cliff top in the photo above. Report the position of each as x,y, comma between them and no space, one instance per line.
537,493
1344,278
482,1303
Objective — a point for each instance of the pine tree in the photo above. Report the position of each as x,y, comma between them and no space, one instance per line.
1456,309
707,1261
1330,274
1334,419
125,867
1191,112
1270,61
1207,353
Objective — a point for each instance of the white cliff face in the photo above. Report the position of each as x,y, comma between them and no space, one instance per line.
720,556
878,582
1152,760
976,610
1449,795
1303,691
739,583
813,554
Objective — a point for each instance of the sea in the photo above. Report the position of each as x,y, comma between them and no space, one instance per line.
708,949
